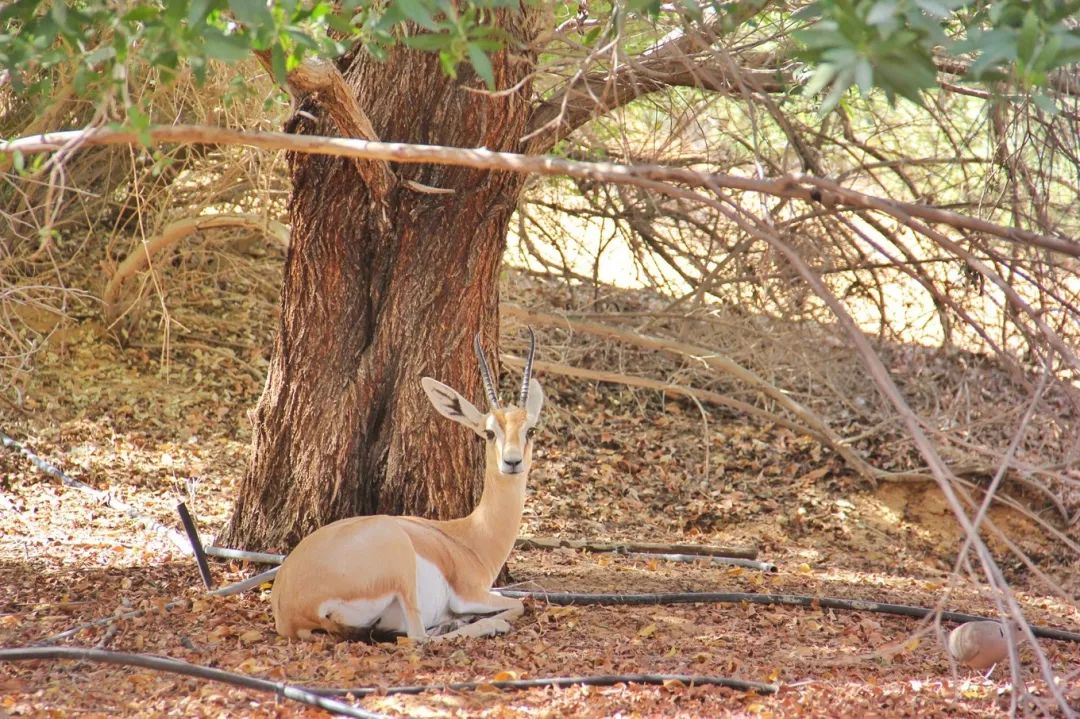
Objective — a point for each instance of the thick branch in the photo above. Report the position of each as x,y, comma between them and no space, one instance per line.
656,177
683,58
596,94
322,80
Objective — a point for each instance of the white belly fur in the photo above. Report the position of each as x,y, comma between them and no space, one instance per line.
433,594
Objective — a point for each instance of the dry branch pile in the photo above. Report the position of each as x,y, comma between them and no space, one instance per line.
92,233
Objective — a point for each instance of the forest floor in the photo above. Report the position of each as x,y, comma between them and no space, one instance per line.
608,466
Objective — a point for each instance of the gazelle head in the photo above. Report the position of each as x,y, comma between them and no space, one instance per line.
508,430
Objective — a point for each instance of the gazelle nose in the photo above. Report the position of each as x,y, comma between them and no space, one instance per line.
512,463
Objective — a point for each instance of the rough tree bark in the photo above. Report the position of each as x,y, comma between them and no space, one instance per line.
375,296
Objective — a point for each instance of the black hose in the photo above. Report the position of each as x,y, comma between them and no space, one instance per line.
318,696
905,610
196,545
175,666
606,680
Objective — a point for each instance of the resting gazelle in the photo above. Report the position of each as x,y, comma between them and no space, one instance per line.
386,575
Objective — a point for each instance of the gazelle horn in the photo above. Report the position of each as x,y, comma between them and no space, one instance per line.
485,374
528,369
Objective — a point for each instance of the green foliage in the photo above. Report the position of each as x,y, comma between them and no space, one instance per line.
891,44
886,44
457,34
95,39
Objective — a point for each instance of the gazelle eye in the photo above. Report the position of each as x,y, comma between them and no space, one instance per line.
530,432
490,434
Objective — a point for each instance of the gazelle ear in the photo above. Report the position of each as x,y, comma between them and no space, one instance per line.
535,400
452,405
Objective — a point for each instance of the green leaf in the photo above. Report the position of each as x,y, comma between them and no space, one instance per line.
1029,35
18,162
139,121
693,10
864,76
448,63
811,11
823,35
100,54
883,11
482,64
230,48
1046,104
58,12
1046,58
22,10
277,64
906,79
252,13
822,76
995,47
934,8
428,41
142,13
84,78
197,12
174,14
418,13
839,87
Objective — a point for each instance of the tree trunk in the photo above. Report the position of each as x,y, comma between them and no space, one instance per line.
374,298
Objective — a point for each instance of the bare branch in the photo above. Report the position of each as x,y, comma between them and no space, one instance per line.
171,234
801,187
683,58
818,427
597,94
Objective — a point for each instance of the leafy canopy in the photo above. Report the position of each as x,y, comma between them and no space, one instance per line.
892,44
887,44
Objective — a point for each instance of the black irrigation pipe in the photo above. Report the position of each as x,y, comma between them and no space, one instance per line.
246,584
240,554
175,666
707,558
582,599
796,600
318,696
268,558
603,680
196,545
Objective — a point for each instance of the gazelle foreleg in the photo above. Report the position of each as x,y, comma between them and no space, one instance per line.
507,610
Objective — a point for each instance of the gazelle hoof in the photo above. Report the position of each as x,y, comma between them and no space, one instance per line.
490,627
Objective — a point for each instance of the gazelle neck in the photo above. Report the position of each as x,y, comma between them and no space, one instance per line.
494,523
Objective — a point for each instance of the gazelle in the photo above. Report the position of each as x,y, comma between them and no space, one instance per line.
384,574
